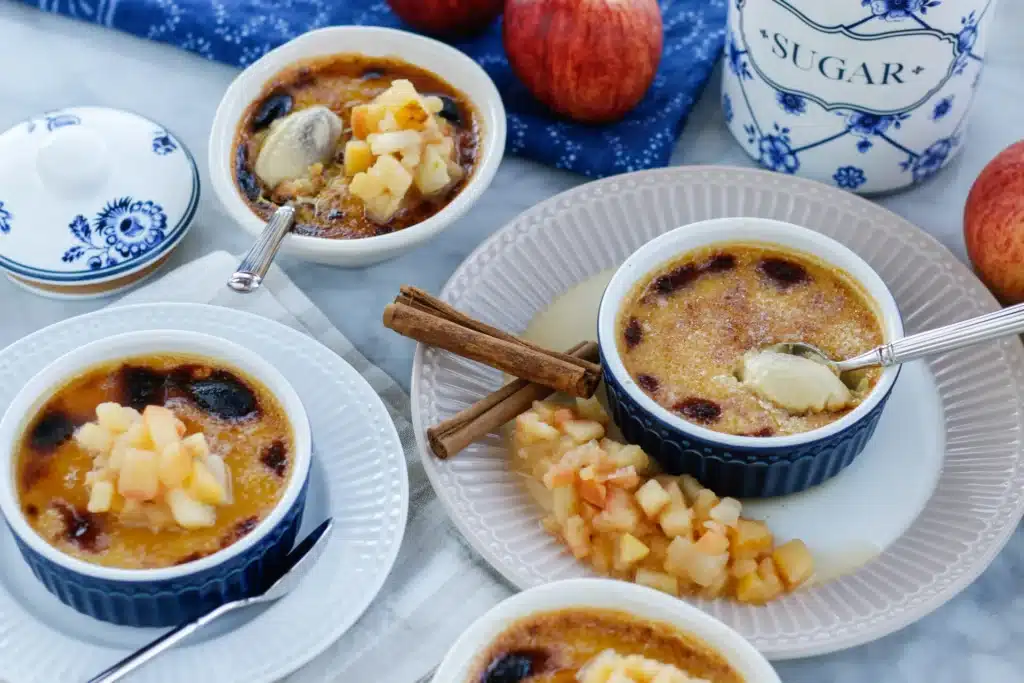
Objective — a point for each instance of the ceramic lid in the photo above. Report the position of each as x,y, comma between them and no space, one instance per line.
89,194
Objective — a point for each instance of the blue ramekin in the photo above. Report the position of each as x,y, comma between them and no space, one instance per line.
171,595
741,466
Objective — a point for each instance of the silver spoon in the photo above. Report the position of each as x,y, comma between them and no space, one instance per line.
254,266
297,564
983,328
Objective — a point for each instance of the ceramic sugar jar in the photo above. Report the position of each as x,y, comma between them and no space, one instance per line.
867,95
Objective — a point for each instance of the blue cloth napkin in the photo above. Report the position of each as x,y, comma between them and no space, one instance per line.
238,32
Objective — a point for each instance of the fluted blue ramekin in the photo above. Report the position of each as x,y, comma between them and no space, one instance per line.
730,465
170,595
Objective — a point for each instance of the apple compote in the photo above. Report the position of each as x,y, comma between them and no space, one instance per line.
599,646
687,333
153,461
359,146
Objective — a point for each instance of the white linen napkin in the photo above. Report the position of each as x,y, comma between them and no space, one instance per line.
438,585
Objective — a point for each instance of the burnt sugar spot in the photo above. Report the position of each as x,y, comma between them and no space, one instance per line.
763,431
81,527
275,457
224,395
698,409
648,383
53,428
31,511
675,279
140,387
633,334
719,263
191,557
515,666
237,532
783,272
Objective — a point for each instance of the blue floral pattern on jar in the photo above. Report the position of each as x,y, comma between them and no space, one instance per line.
942,108
727,110
791,103
776,152
5,219
897,10
123,230
928,163
849,177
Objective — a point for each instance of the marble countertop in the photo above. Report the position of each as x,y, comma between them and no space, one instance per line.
54,62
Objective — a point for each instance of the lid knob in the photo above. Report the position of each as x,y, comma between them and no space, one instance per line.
73,161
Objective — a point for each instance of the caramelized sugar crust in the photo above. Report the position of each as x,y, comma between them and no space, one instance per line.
552,647
684,329
240,418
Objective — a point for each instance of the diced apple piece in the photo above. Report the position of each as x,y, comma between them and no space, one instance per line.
577,536
162,425
691,487
794,563
630,550
396,177
204,487
705,570
531,429
366,187
358,157
139,477
94,438
432,172
712,543
773,587
675,494
582,431
727,511
565,503
750,538
384,144
620,513
594,492
624,478
543,410
137,436
652,498
741,568
677,557
705,501
101,497
602,552
716,588
559,475
196,445
750,589
412,115
632,455
676,520
551,525
383,208
658,581
591,409
562,416
365,119
433,104
189,512
175,465
116,458
400,91
116,418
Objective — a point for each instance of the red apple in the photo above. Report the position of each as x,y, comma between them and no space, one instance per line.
448,18
590,60
994,224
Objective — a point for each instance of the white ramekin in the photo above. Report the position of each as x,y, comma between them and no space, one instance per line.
638,601
450,64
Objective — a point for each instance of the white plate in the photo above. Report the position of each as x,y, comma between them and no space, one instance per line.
911,523
358,478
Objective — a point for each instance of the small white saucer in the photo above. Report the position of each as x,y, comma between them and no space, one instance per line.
358,477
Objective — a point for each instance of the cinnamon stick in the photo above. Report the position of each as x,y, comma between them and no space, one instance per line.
417,315
457,432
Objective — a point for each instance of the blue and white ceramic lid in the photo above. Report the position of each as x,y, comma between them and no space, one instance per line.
91,195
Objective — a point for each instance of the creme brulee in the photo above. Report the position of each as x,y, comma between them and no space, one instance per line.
241,423
685,330
557,647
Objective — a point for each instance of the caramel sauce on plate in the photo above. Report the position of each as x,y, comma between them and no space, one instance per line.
242,422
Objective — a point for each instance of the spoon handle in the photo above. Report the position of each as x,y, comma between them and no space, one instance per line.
256,263
162,644
940,340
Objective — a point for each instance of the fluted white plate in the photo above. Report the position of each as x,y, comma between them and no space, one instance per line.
358,478
922,511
